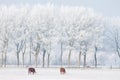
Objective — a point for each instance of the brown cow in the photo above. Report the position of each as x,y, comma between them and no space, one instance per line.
62,70
31,70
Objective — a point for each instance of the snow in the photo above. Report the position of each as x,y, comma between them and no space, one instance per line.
54,74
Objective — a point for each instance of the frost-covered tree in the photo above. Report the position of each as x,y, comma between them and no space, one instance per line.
113,34
19,28
4,46
85,24
98,39
44,27
5,31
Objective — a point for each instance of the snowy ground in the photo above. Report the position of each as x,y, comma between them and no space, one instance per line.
53,74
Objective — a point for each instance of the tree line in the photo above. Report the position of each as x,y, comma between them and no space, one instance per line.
36,30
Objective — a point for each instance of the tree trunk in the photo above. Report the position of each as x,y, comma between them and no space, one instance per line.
2,60
30,51
79,60
95,57
61,53
69,56
18,59
118,52
4,57
30,58
23,53
36,57
48,60
5,60
23,59
44,52
84,60
43,61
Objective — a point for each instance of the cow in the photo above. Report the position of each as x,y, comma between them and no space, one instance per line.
31,70
62,70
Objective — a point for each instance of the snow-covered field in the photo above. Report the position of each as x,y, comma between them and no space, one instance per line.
54,74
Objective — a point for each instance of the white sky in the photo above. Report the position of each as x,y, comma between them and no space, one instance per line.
106,7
